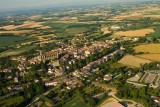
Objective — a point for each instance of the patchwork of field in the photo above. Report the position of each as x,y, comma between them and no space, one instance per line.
148,48
133,61
17,51
13,40
26,24
152,57
135,33
17,32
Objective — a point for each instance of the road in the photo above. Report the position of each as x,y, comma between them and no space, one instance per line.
114,91
37,98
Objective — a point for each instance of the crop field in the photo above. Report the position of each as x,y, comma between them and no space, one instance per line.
151,57
75,102
17,51
135,33
26,24
105,30
13,40
133,61
148,48
17,32
76,30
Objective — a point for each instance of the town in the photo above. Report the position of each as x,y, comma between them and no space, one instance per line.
91,56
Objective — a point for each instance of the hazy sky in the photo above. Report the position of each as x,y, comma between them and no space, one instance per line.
7,4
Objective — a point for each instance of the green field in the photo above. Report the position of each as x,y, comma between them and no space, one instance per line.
12,102
75,102
76,30
17,51
157,32
13,40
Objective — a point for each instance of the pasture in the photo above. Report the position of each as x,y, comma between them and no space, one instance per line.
148,48
8,40
135,33
133,61
11,102
17,51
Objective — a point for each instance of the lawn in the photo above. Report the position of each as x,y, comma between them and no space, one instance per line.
75,102
17,51
13,40
12,102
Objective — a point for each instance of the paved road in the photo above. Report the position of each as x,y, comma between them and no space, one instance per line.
134,104
37,98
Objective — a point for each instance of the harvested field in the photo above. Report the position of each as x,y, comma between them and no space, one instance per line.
105,30
133,61
135,33
152,57
148,48
26,24
16,32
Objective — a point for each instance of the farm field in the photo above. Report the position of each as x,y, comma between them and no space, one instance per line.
75,102
133,61
76,30
11,102
105,30
17,51
148,48
152,57
13,40
135,33
16,32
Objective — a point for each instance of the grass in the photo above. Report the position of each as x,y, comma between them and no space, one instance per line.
116,65
13,40
133,61
75,102
156,32
17,51
148,48
11,102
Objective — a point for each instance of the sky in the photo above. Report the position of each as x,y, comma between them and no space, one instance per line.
9,4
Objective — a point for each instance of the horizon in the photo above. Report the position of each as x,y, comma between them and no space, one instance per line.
19,4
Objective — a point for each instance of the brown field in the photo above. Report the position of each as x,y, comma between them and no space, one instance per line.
135,33
27,24
105,30
16,32
133,61
148,48
152,57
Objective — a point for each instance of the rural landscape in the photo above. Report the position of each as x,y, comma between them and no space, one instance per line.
100,55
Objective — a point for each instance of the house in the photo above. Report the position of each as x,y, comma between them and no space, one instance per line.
51,83
108,77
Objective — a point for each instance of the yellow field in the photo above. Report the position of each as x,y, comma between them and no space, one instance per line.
149,48
16,32
135,33
133,61
152,57
105,30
